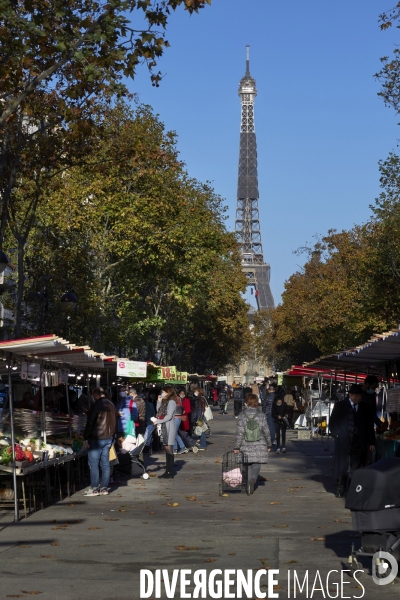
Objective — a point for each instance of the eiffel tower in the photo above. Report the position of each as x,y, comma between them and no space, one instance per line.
247,223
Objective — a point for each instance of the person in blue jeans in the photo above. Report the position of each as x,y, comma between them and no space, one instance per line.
178,420
99,432
200,407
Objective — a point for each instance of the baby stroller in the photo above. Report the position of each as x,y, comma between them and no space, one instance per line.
374,500
234,473
132,462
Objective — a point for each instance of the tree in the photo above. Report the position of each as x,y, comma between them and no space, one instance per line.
78,46
58,62
144,247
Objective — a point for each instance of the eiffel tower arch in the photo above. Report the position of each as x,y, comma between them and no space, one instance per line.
247,221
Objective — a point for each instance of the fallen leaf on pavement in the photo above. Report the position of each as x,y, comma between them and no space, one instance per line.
34,593
318,539
281,526
236,519
291,562
152,513
257,536
186,548
23,546
121,510
110,519
53,544
232,554
192,499
172,504
145,522
93,528
275,502
209,560
46,556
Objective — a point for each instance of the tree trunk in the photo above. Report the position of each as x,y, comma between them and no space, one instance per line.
20,289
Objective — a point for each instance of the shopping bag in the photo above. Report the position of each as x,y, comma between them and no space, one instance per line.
208,413
112,456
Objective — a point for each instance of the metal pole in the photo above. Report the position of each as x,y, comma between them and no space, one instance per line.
68,408
43,408
11,405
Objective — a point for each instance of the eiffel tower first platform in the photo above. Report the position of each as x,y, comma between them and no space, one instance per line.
247,223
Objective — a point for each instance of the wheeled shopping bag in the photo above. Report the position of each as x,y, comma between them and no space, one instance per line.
234,473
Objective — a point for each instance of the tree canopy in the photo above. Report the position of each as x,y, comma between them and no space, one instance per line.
143,246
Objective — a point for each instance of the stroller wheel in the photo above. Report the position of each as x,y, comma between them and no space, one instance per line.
248,489
220,489
145,476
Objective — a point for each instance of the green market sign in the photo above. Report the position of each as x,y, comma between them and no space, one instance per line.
180,379
162,374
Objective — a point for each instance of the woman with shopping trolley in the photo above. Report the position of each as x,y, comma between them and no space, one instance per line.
253,438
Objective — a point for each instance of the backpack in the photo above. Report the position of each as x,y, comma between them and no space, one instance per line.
252,431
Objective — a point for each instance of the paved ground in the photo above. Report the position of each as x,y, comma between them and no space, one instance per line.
94,548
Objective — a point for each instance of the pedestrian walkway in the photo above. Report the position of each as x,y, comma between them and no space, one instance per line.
94,548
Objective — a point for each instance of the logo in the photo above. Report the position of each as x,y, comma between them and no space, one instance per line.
380,568
359,488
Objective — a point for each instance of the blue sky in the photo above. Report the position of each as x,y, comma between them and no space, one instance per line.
321,128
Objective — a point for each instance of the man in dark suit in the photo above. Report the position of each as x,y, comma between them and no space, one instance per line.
352,426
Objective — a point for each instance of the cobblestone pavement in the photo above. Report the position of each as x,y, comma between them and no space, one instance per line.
93,548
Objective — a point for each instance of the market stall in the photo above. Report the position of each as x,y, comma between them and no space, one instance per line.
50,439
379,356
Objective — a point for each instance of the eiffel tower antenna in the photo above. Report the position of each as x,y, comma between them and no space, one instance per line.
247,223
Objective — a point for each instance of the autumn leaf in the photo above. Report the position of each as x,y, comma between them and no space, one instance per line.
54,544
209,560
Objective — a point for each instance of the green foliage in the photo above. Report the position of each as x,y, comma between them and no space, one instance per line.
145,249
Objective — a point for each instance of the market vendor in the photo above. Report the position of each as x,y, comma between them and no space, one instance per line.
352,427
